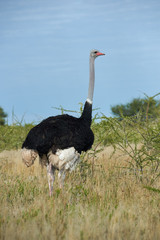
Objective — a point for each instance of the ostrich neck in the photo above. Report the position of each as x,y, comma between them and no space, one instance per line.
91,81
87,111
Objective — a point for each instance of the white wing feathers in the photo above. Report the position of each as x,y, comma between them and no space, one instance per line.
66,159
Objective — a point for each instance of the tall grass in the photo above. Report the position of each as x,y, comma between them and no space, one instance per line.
106,203
113,194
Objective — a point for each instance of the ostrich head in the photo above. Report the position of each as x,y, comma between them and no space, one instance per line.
95,53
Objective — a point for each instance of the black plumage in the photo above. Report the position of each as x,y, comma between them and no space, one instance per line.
61,132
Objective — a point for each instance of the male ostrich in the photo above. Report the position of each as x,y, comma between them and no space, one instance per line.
60,140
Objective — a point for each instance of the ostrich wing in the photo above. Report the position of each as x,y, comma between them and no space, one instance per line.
59,132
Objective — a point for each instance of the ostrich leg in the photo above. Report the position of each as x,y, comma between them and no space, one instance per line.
50,174
61,177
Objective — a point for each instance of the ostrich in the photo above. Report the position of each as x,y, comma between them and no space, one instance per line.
59,140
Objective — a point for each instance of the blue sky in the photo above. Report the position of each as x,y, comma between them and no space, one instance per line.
44,54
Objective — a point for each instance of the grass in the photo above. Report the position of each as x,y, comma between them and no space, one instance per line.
114,193
103,200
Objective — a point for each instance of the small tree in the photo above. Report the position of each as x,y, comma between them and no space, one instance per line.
3,115
147,107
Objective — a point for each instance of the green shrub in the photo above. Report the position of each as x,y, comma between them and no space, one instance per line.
12,137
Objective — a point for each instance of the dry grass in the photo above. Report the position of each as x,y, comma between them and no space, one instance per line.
105,203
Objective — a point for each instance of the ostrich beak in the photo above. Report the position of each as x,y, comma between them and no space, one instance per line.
99,54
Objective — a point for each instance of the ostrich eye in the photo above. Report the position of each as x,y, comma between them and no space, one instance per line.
96,52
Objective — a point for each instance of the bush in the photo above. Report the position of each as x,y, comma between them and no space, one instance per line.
147,107
12,137
3,115
140,141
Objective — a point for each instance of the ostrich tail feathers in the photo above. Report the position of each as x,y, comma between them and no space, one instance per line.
29,156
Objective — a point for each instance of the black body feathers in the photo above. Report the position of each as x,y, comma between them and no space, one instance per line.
61,132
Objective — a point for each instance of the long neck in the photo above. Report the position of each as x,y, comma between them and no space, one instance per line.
91,80
87,111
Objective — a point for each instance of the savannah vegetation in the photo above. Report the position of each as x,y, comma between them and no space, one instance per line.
3,115
113,194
